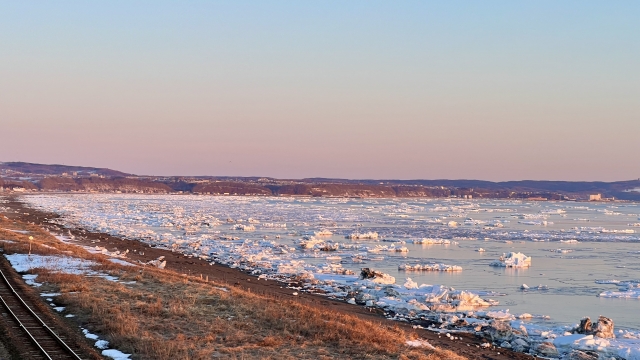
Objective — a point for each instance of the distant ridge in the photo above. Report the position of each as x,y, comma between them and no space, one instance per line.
522,185
42,177
56,169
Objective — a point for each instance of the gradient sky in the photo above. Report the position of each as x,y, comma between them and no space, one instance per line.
495,90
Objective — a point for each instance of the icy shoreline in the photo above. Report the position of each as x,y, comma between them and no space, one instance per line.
274,260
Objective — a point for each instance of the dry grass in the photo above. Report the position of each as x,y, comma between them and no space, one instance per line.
164,315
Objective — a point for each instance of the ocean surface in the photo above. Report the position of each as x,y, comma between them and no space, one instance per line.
579,250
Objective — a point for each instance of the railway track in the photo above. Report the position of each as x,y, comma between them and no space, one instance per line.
37,339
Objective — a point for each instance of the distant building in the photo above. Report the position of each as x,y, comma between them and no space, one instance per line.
595,197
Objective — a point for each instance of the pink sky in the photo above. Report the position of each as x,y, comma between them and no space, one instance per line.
365,91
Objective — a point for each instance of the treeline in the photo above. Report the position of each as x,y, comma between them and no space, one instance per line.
231,188
17,184
129,185
361,190
317,190
96,184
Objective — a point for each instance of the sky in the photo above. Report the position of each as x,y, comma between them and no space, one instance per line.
492,90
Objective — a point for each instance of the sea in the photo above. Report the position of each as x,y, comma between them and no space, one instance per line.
585,256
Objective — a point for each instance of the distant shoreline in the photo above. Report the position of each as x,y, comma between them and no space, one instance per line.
38,192
26,177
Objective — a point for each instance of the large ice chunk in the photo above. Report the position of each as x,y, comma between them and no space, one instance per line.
513,260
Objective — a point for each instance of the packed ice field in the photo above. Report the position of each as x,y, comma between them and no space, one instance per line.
541,265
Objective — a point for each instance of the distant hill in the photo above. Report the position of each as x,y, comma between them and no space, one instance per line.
618,189
40,177
96,184
42,169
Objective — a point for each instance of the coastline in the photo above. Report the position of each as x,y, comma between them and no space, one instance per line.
26,192
467,346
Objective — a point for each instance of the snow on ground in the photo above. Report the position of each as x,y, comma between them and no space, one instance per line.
419,343
89,335
116,354
103,345
30,279
69,265
121,262
63,264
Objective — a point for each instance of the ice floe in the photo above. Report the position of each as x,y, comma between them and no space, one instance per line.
372,235
429,267
626,289
513,260
377,277
429,241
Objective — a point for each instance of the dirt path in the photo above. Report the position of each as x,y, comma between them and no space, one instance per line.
138,251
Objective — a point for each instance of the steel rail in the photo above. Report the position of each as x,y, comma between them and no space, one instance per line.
24,328
42,323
